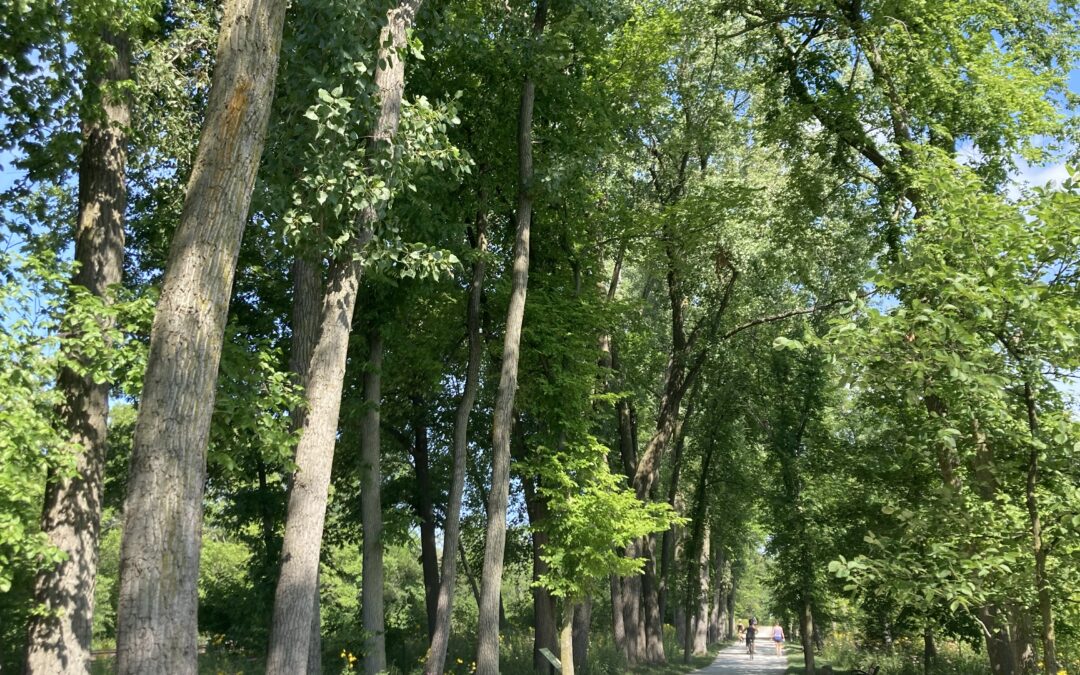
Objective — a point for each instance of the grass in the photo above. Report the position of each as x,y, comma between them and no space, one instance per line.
212,662
675,664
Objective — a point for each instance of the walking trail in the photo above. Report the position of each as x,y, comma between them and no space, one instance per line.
735,661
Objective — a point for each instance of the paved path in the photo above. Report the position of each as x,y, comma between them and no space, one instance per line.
735,661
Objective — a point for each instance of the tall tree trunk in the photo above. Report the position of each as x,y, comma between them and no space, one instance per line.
487,651
371,513
59,639
627,419
157,626
306,311
998,645
566,639
633,623
1000,649
667,550
1022,639
731,609
654,625
634,619
440,639
719,604
582,623
701,608
425,511
618,626
314,660
806,634
698,548
1042,583
545,634
291,631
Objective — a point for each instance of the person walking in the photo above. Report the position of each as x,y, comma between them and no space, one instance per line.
751,632
778,638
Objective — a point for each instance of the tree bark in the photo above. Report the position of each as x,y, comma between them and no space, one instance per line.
731,609
618,627
667,550
998,647
545,634
806,635
634,620
157,626
440,639
698,549
371,514
719,605
1042,583
306,311
654,625
487,651
425,512
566,639
582,623
291,630
701,608
59,639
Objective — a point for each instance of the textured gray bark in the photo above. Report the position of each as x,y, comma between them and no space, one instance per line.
290,640
452,534
731,610
306,311
634,620
618,627
371,592
157,626
545,633
297,581
566,639
701,608
667,549
650,587
1042,583
582,623
806,635
698,551
59,642
487,651
314,660
290,634
425,512
717,614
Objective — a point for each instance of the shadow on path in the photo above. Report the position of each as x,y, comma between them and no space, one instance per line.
734,660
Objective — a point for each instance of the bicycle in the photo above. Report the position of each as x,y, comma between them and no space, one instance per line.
750,648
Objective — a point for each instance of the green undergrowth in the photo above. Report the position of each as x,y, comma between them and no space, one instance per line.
846,659
211,662
674,654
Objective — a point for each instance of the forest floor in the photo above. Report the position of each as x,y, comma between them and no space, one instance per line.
733,660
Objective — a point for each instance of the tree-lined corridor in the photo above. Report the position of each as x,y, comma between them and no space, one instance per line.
448,336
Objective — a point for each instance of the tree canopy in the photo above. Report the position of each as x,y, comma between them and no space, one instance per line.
424,335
